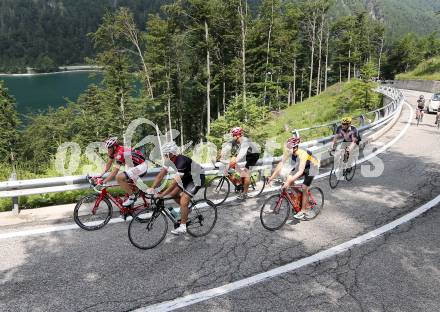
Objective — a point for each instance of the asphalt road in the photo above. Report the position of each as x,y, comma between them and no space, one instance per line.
77,270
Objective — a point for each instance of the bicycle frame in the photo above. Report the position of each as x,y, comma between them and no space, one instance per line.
285,194
118,202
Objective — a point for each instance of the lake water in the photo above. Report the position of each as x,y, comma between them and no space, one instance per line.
39,92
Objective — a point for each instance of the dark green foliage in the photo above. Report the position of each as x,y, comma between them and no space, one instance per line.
8,126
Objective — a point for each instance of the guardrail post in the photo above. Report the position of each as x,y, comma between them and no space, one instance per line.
15,207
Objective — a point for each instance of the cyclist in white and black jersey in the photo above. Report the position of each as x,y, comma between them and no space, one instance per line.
242,150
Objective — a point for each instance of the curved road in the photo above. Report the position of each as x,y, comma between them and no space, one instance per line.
76,270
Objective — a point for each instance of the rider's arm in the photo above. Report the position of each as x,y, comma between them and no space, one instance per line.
353,144
289,182
335,138
170,188
244,146
107,165
278,168
163,172
112,174
300,172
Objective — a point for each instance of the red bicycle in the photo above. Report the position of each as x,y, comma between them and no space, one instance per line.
277,208
94,211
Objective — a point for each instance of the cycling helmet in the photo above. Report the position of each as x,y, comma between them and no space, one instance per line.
346,120
111,142
421,96
293,142
170,148
237,131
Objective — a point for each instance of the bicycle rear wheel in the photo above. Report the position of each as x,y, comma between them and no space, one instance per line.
90,218
316,202
217,190
274,212
258,182
201,218
147,229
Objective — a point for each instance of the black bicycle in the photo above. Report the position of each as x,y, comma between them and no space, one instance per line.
342,167
218,189
149,227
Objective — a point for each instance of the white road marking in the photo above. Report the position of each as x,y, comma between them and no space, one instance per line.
66,227
320,256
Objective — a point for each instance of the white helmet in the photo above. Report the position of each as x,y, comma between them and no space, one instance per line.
111,142
170,148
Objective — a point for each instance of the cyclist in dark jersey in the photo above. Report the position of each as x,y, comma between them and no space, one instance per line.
347,133
420,106
135,167
186,182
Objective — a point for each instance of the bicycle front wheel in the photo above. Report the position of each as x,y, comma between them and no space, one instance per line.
274,212
258,182
147,229
333,177
201,218
316,201
92,214
217,190
349,172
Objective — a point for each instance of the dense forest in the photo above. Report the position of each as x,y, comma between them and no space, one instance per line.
198,61
45,34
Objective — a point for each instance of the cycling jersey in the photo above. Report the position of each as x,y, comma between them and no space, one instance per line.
307,156
304,155
245,149
122,153
420,104
348,135
187,169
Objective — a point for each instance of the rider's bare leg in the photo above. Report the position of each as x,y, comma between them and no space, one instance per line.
123,183
305,198
246,180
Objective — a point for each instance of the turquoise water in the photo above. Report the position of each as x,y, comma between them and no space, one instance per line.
39,92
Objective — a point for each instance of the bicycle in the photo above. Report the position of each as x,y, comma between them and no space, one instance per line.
217,190
341,164
419,115
277,208
152,224
92,212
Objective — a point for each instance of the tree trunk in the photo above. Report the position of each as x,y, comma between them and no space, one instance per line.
289,94
326,60
318,80
294,81
208,82
224,96
132,34
340,73
243,48
169,101
380,57
312,53
349,64
180,104
267,54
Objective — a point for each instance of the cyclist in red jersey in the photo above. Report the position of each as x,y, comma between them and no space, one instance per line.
135,167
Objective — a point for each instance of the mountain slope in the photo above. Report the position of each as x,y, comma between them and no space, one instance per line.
53,32
399,16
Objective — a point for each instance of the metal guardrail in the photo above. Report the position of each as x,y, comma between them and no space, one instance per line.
16,188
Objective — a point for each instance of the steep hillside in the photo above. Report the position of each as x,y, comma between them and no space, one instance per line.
399,16
427,70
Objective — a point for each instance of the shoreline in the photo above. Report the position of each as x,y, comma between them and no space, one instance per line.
70,69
